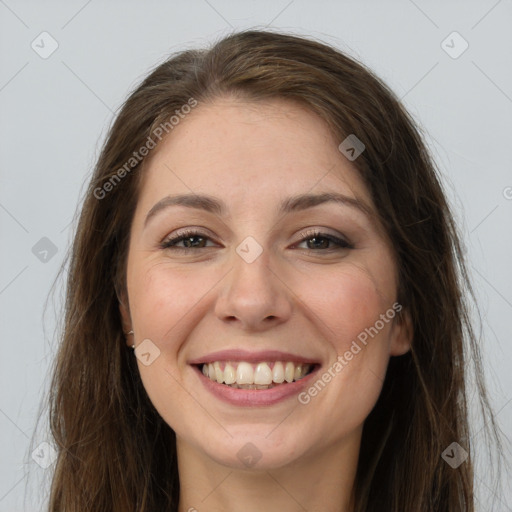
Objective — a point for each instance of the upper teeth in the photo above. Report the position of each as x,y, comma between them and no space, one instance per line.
261,373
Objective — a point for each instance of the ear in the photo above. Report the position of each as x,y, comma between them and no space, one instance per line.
401,334
126,322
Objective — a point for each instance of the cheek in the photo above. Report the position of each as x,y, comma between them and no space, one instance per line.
347,305
161,298
346,302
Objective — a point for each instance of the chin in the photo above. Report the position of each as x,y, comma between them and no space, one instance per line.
253,452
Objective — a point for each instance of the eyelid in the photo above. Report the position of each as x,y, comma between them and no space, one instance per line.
188,231
182,233
340,240
312,232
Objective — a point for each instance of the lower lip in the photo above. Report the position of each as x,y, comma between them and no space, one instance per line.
255,397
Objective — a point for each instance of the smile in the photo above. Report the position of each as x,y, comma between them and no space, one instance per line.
262,375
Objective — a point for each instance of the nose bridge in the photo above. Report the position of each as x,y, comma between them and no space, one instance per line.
252,294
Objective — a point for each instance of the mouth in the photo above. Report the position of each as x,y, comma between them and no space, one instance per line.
254,379
255,375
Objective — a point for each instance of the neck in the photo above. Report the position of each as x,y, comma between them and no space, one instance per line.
322,481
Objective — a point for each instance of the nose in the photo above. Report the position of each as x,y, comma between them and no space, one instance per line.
253,296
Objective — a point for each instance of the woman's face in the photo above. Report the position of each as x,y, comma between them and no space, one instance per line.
266,280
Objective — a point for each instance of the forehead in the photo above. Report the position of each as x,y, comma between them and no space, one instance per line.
256,150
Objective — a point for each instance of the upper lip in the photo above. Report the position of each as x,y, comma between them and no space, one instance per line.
252,357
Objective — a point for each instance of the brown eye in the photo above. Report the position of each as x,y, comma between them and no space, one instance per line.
190,239
323,241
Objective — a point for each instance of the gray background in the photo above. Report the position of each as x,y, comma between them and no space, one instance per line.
54,114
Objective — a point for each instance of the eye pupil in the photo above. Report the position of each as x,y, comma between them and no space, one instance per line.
188,242
323,244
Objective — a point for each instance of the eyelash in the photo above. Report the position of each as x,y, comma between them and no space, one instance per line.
308,235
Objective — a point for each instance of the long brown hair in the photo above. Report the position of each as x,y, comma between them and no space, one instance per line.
115,452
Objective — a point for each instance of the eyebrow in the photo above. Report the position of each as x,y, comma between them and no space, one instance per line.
288,205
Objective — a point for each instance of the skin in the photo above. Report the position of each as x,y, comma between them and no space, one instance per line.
294,297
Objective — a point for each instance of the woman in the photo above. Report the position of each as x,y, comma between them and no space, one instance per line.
266,298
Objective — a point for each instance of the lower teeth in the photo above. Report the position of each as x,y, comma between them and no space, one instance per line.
251,386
